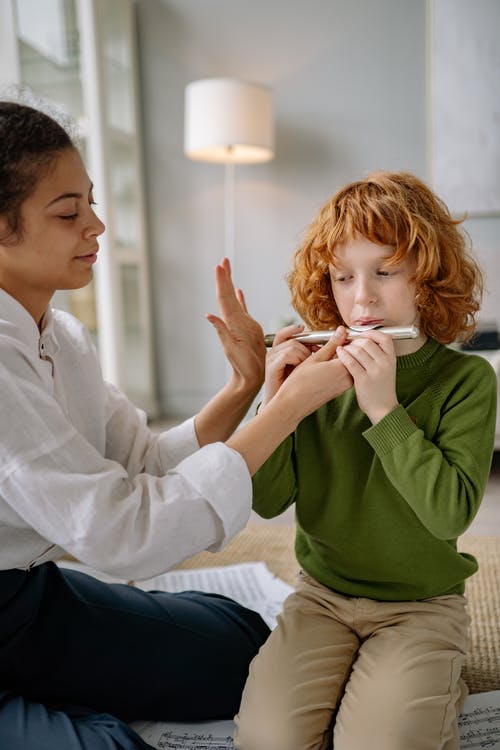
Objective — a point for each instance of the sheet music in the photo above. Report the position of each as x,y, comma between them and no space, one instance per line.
479,726
209,735
479,723
251,584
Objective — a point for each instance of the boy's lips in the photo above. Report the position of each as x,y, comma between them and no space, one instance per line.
369,322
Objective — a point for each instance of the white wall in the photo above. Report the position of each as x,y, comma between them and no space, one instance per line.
349,79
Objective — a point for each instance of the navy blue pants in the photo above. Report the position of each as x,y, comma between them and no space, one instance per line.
79,658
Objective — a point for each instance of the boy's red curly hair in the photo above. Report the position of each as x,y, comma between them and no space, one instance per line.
399,210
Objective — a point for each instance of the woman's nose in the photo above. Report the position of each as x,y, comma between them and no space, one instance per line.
95,226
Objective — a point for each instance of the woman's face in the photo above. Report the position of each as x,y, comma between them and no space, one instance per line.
58,246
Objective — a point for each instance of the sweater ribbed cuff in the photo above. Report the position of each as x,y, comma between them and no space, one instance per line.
391,431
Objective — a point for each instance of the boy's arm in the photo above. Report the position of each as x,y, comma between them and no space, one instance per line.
274,484
443,479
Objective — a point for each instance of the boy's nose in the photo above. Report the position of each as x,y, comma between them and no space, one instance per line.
365,292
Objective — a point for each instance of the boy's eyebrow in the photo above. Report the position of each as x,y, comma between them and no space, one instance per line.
64,196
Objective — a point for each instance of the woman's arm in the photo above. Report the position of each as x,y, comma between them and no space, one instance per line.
243,342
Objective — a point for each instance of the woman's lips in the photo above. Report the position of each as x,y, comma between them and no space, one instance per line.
90,258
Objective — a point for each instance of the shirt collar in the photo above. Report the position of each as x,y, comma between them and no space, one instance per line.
48,341
16,321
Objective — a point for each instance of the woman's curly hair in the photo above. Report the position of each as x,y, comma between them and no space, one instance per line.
398,210
30,140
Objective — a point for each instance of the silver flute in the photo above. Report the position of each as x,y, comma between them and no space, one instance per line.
321,337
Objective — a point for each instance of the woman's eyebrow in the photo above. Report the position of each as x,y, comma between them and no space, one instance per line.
64,196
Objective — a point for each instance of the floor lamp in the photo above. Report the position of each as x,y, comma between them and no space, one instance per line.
228,122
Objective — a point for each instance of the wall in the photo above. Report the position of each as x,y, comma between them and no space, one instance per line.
465,127
349,80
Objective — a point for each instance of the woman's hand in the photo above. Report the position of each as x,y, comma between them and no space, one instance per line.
371,361
241,336
318,379
285,354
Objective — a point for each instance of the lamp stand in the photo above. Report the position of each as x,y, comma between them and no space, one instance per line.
229,214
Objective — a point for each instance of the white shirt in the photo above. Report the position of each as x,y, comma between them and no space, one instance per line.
81,472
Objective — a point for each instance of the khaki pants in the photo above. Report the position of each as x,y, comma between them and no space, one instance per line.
363,674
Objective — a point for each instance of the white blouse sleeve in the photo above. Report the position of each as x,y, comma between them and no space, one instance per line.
134,509
130,441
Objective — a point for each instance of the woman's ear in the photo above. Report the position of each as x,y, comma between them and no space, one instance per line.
4,229
6,234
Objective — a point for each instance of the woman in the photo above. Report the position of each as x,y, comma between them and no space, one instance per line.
82,473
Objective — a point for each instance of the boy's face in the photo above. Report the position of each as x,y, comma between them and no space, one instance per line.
367,290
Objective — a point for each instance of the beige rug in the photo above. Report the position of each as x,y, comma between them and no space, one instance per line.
275,546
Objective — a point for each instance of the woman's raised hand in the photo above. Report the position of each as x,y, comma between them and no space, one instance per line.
241,336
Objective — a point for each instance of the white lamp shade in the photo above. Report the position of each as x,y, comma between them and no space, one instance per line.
228,121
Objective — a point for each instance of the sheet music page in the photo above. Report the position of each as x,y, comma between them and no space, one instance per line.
479,722
479,726
251,584
209,735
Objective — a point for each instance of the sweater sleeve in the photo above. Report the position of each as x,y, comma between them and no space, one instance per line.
443,477
274,484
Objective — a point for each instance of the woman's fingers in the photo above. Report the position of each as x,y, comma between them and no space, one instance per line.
328,350
226,296
219,326
287,333
241,299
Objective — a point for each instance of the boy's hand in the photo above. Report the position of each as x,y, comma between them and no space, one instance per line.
371,361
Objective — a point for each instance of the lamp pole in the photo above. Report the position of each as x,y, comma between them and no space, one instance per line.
228,121
229,214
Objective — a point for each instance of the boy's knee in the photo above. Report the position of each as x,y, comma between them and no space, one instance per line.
266,730
256,735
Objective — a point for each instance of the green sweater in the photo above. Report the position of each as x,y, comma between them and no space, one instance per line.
379,507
